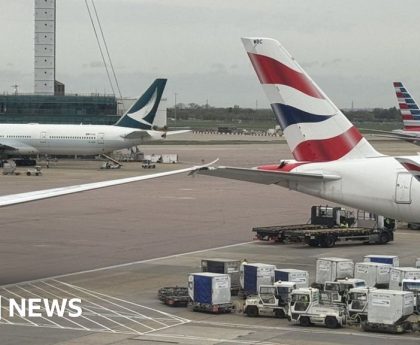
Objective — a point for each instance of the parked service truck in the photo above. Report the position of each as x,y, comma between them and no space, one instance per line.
224,266
210,292
388,310
300,277
332,269
272,300
255,274
306,310
373,273
392,260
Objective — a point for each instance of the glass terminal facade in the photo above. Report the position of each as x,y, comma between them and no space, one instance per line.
70,109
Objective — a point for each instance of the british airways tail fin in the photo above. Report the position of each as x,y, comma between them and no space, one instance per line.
409,109
315,129
142,113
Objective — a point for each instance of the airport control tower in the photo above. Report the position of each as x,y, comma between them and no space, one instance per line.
44,47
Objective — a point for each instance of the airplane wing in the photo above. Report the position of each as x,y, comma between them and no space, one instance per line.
17,146
13,199
265,176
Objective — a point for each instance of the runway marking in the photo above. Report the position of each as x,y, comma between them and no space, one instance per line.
106,313
127,264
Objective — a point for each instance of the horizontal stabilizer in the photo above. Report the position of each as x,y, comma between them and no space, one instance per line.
410,164
137,135
265,177
178,132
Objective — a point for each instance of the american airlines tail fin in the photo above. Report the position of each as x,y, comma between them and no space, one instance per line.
409,109
142,113
315,129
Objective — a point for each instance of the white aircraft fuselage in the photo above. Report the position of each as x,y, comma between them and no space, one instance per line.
70,139
379,185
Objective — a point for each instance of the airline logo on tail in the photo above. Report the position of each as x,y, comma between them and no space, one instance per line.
142,113
410,112
315,129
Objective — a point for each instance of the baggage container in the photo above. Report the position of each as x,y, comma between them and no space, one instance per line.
373,273
331,269
255,274
300,277
224,266
388,307
209,288
400,273
392,260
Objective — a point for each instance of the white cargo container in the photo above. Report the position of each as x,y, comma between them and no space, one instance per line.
209,288
169,158
331,269
392,260
388,307
373,273
255,274
300,277
400,273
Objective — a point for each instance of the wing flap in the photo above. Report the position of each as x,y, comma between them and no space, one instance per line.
265,177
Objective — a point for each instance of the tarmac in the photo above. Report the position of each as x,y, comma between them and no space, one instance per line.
115,247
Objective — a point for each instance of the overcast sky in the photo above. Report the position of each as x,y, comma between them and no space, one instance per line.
354,49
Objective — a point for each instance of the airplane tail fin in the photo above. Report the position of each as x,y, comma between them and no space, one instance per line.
142,113
409,109
315,129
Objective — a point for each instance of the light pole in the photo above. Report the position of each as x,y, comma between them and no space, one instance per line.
175,107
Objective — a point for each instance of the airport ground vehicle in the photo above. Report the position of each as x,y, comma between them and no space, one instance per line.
35,171
388,311
329,225
147,164
306,310
272,300
226,266
210,292
339,289
174,296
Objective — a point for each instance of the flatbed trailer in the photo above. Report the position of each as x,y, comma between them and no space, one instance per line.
275,233
327,237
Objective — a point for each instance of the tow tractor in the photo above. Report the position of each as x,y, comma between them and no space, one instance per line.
340,288
272,300
357,303
305,309
329,225
413,285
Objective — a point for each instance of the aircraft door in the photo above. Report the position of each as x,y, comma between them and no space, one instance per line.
101,138
43,137
403,188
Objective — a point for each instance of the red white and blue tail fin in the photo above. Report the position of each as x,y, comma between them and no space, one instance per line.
409,109
315,129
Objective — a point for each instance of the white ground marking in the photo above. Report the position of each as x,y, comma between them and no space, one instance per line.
106,309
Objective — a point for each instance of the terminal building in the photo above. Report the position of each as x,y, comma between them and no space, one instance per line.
65,109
